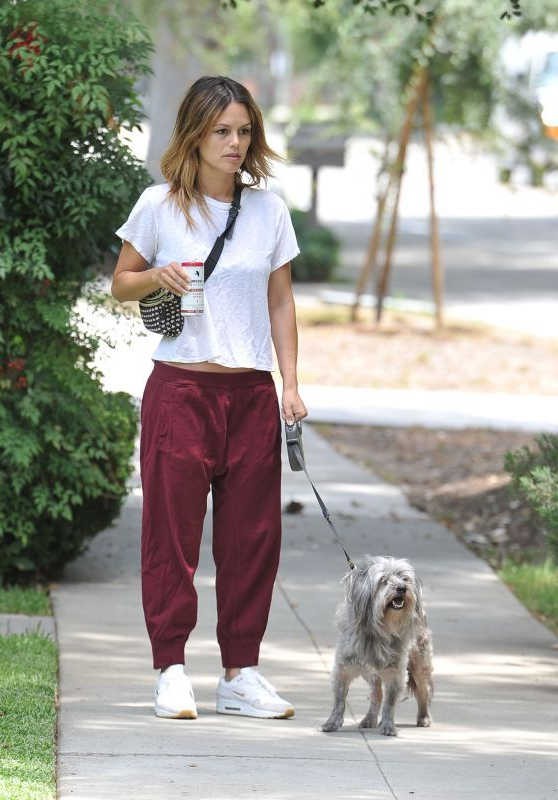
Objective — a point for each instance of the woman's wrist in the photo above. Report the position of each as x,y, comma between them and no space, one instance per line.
134,284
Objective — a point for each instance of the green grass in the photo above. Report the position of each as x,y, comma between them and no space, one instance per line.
28,600
536,585
28,683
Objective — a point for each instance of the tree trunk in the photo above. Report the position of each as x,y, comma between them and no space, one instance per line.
437,271
175,68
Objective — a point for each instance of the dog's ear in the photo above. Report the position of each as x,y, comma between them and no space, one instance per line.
347,581
359,594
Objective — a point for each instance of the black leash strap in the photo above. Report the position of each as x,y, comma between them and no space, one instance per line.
293,437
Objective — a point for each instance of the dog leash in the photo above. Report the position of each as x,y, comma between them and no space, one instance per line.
293,438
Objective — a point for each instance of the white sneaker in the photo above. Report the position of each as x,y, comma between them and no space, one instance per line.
173,694
249,694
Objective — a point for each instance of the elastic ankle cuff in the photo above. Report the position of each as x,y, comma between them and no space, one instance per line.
239,652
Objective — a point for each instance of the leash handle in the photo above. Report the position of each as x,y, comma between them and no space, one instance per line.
293,436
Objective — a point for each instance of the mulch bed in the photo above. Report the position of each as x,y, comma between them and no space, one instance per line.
456,476
405,352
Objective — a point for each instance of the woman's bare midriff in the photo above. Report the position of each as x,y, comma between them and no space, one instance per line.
206,366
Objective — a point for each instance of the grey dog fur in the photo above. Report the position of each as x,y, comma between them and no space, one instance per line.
381,643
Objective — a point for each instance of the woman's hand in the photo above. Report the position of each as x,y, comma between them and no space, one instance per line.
172,277
292,407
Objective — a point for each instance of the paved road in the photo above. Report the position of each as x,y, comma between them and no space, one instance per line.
499,244
504,259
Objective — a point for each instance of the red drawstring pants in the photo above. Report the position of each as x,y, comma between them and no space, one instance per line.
201,430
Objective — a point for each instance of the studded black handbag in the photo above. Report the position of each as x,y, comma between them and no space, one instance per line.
160,310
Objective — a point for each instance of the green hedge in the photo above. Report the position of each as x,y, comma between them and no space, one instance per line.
535,478
319,248
67,77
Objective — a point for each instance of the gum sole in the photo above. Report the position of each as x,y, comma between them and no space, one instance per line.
185,714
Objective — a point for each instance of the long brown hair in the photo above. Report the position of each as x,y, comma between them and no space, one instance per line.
205,100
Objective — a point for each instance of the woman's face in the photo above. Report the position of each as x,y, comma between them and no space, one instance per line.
229,134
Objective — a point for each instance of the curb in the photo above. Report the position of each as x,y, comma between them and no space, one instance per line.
348,405
27,623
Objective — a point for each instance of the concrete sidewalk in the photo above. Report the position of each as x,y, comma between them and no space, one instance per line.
351,405
496,677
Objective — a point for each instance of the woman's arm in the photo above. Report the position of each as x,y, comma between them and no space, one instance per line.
133,278
285,339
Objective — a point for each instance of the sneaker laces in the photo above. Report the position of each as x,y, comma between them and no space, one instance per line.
254,675
167,679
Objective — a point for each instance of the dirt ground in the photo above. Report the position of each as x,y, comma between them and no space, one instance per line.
405,352
457,477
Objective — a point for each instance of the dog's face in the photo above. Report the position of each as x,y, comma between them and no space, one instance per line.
384,592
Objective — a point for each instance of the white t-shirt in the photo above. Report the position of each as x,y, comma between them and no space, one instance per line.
234,329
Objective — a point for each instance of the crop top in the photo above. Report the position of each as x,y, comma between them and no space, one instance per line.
234,329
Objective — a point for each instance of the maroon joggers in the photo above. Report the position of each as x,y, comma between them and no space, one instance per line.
202,430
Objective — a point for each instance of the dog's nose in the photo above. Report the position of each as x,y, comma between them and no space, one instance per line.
401,589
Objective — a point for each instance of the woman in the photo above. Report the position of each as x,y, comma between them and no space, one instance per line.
210,415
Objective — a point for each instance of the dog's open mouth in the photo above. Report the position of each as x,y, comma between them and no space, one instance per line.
397,603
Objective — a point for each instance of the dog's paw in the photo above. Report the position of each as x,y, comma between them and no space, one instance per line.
331,725
368,722
424,722
388,729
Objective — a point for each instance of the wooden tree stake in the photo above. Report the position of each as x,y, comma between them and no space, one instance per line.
437,271
398,170
369,266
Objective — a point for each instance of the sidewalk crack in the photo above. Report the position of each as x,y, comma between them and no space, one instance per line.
322,659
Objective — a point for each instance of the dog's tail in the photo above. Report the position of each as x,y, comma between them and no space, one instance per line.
411,687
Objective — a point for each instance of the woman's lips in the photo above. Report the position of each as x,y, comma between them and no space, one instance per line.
236,158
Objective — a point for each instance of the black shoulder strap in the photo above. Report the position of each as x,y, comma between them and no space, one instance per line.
213,257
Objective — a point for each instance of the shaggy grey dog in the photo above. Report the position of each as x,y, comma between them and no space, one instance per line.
383,632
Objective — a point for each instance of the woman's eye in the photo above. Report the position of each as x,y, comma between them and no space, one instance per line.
222,130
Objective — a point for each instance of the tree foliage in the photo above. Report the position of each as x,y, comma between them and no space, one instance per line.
418,9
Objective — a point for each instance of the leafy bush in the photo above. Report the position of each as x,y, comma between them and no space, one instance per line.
319,249
67,74
535,478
